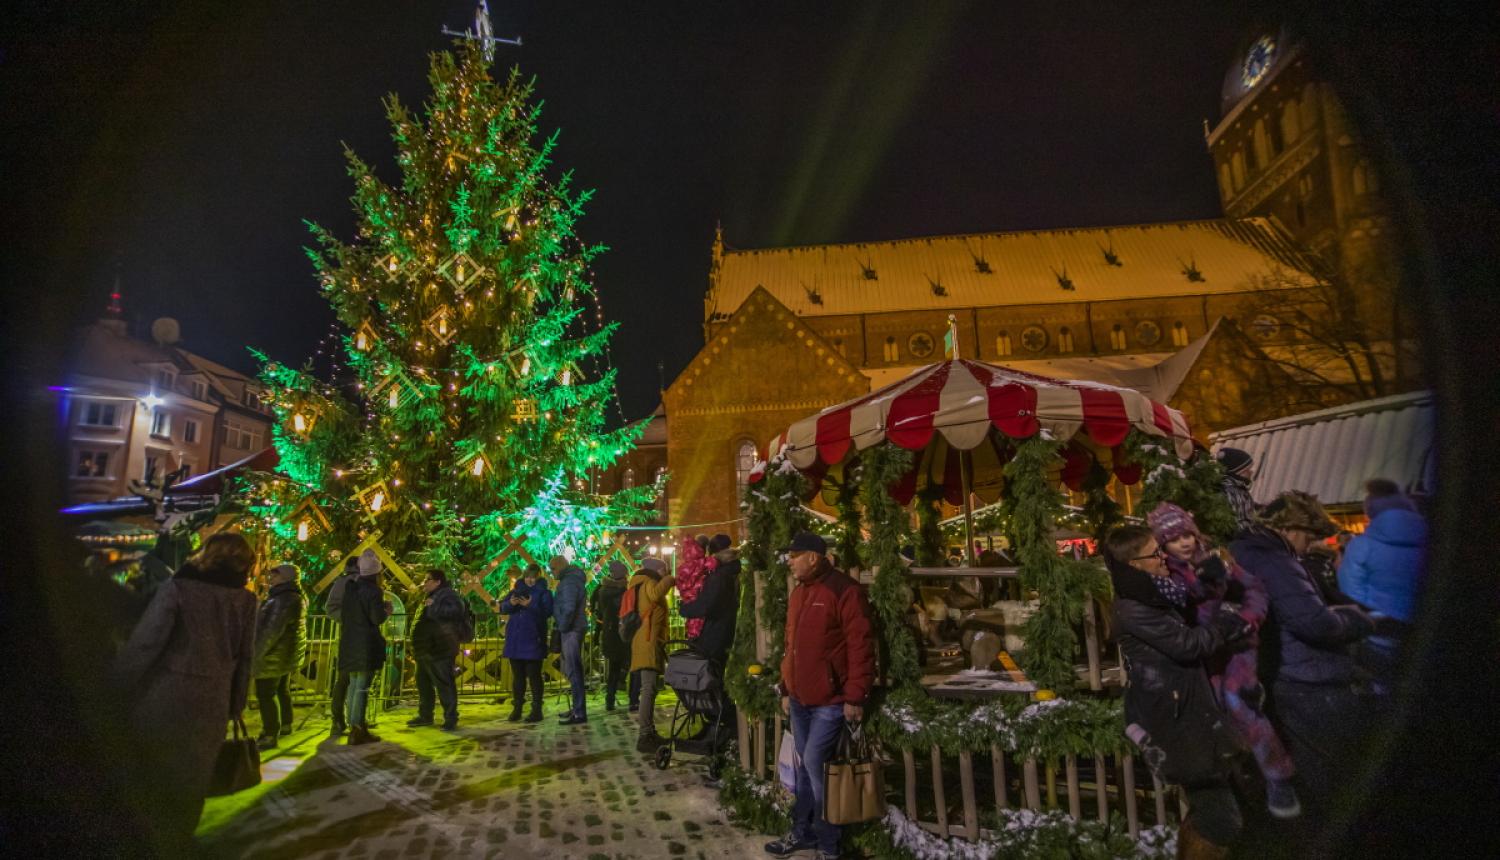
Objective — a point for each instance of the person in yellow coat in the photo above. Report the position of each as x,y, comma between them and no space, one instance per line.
648,648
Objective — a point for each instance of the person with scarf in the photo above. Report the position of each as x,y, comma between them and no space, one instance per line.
1170,708
1209,583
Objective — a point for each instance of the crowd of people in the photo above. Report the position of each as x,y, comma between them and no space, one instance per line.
1248,647
1280,644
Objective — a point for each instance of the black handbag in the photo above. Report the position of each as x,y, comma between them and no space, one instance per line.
690,672
554,643
238,764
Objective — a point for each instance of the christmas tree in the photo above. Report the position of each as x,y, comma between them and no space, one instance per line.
473,416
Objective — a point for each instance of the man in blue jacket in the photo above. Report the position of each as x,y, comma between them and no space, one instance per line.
1382,570
570,611
1317,700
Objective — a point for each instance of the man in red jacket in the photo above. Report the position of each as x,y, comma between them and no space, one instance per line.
826,675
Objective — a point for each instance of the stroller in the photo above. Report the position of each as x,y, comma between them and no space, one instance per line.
702,707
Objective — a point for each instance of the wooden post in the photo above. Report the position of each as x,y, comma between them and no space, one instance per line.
1075,800
911,784
997,760
1101,787
966,786
760,747
744,734
1091,642
938,797
1161,800
1127,780
1051,773
1033,790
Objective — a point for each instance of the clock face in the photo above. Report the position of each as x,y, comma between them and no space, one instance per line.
1258,61
1034,338
920,344
1147,332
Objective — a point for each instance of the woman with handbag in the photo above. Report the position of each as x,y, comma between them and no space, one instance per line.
187,668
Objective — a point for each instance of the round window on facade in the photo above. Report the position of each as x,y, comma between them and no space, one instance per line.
920,344
1034,338
1147,333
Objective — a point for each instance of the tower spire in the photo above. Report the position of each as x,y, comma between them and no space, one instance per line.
116,309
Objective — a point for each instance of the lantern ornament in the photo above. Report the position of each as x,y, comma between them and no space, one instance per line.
303,419
440,324
310,520
374,499
525,411
477,465
397,389
461,271
364,337
391,264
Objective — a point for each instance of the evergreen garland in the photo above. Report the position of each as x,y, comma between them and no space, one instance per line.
881,466
1196,486
847,535
762,805
930,537
1060,583
1100,509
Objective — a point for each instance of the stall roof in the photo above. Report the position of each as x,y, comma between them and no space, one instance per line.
1332,452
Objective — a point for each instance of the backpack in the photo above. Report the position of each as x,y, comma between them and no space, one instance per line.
464,627
630,615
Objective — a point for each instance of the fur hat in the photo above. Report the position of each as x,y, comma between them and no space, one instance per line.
1169,522
655,564
719,543
369,563
284,573
618,570
1295,509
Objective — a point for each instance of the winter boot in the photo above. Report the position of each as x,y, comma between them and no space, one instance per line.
361,735
648,743
515,713
265,742
535,716
1192,846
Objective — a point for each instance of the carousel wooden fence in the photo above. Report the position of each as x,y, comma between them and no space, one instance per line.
948,792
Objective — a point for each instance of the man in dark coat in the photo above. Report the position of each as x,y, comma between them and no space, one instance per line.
280,647
435,645
1170,707
333,609
604,606
1317,700
361,645
718,602
570,611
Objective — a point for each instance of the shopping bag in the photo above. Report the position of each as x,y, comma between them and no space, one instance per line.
786,762
238,764
853,787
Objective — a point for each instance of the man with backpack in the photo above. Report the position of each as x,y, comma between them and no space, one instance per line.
442,624
643,617
604,606
333,608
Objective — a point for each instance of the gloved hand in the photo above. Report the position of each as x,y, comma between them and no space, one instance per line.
1228,622
1212,571
1255,697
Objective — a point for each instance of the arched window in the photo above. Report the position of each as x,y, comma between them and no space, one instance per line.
1237,169
1252,161
628,480
1064,340
1117,337
1291,122
1002,343
1226,182
892,349
1179,334
1261,143
744,461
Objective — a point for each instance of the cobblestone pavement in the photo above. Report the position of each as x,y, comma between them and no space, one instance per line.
489,789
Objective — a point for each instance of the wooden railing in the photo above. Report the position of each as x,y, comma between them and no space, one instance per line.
946,793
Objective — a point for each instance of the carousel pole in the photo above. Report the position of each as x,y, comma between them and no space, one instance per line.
963,456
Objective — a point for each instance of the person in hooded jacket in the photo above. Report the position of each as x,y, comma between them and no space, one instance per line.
529,607
435,645
280,648
570,611
1170,707
1317,696
1382,570
186,668
604,607
361,643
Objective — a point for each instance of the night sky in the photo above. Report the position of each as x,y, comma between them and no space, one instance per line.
182,144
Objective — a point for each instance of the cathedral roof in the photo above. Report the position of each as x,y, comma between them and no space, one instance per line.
1020,268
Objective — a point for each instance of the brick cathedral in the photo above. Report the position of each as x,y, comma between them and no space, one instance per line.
1198,314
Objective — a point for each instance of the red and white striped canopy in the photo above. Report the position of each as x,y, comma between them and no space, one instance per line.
962,400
